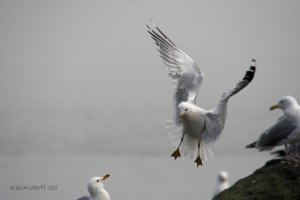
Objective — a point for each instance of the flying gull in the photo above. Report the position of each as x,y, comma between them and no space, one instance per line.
96,190
286,131
194,129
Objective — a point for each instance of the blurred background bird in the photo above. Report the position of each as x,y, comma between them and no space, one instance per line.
222,182
286,131
96,189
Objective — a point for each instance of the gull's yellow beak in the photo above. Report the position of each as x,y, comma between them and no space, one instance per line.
181,114
105,177
274,107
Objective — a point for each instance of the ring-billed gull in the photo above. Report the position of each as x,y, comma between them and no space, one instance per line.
222,182
194,128
96,190
285,131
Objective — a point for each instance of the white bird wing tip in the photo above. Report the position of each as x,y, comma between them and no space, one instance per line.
152,22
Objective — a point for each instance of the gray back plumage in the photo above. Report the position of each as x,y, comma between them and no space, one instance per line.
276,134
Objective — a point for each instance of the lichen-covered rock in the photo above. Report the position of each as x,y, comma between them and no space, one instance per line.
277,180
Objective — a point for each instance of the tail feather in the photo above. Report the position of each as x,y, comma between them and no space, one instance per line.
189,148
205,151
189,145
175,132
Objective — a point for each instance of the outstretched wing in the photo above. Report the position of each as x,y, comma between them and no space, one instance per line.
185,73
215,118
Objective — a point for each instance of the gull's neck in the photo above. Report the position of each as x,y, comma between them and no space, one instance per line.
293,112
96,191
100,194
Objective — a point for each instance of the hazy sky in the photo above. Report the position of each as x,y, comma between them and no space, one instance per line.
82,77
76,72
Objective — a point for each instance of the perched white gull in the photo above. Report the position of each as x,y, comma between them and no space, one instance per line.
96,190
222,182
194,128
285,131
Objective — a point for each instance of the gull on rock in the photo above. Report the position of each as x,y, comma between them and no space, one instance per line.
286,131
222,182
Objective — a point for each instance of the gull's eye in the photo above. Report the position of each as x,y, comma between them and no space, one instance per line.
186,109
98,181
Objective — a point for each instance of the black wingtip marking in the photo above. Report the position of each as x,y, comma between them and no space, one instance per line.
154,37
250,73
279,153
252,145
165,36
162,34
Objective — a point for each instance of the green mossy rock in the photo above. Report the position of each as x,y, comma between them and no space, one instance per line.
277,180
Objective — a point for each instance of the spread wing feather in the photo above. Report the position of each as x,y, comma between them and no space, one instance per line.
185,73
215,118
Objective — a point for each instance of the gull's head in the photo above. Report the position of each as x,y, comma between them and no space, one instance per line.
184,109
223,177
285,102
95,185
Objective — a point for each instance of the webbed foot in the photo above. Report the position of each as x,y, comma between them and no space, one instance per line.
198,161
176,154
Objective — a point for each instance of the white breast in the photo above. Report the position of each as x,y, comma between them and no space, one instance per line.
194,124
103,195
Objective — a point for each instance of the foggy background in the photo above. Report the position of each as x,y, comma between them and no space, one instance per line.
81,83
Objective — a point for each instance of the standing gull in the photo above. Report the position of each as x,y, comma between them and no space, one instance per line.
285,131
96,190
222,182
194,128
